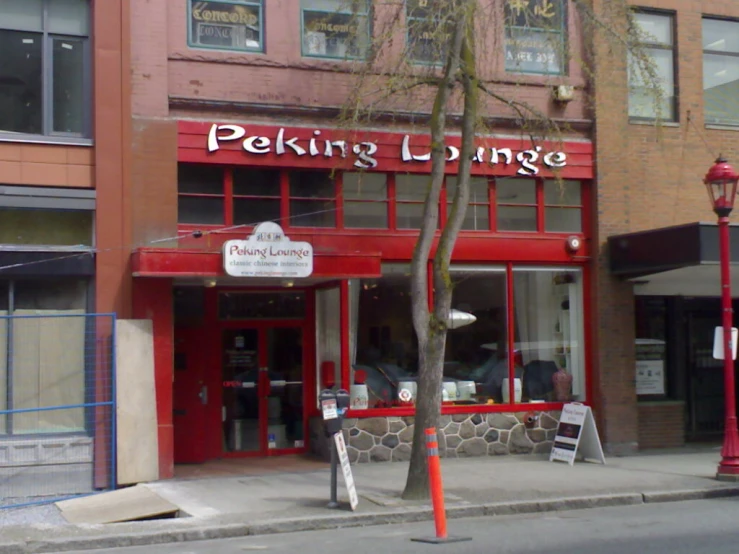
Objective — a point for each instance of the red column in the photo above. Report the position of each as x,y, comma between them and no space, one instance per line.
729,465
152,299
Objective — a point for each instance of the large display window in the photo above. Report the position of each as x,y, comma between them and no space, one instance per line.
521,340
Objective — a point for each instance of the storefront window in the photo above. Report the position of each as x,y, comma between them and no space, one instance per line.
47,359
477,217
516,204
336,28
328,338
256,195
312,199
383,341
548,339
226,25
200,189
365,200
562,206
476,360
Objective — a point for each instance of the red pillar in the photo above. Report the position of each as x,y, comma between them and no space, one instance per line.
728,468
152,299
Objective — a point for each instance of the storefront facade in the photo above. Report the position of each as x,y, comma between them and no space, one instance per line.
264,315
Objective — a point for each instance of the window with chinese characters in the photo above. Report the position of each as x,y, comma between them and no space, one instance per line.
227,24
535,36
721,71
426,21
45,68
336,28
652,69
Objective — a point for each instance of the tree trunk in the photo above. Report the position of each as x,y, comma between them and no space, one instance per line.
431,329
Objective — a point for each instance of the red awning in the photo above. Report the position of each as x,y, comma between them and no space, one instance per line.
170,262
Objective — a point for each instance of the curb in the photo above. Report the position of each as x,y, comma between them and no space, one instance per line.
406,515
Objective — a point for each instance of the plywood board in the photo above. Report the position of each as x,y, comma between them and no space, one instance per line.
137,444
127,504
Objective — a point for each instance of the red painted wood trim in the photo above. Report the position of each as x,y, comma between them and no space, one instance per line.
344,323
450,409
179,263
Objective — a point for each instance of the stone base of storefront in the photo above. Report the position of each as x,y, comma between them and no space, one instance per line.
385,439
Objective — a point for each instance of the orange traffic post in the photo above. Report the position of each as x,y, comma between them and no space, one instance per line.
437,492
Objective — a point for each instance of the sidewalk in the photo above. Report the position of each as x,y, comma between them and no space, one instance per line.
220,507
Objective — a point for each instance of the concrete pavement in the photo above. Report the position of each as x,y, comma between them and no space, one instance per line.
220,507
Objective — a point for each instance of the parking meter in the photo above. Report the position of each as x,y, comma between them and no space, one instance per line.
330,410
342,401
333,406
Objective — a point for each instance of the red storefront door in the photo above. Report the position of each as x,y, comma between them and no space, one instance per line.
262,394
190,398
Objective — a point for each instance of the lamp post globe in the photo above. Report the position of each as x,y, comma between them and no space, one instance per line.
721,182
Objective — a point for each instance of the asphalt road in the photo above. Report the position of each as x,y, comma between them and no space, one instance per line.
705,527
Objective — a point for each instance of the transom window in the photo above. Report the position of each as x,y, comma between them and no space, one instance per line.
652,92
721,71
227,24
336,28
45,68
218,195
535,36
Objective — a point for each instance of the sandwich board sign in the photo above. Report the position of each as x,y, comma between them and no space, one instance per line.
577,432
346,469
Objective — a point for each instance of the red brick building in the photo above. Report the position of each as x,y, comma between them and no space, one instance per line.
235,108
657,272
64,139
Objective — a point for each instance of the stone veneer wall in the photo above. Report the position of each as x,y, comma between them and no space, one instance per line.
383,439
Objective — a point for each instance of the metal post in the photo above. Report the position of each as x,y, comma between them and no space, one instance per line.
334,502
728,468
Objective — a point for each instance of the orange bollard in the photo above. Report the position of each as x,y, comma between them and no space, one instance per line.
437,492
437,488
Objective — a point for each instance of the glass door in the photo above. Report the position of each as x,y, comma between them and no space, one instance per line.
262,392
240,397
285,394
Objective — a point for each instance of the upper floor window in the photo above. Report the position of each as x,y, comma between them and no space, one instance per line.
426,22
45,68
227,25
336,28
535,36
721,71
652,85
211,194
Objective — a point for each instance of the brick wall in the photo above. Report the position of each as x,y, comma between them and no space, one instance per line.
648,177
661,424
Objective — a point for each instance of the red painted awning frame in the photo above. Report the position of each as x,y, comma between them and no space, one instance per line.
170,262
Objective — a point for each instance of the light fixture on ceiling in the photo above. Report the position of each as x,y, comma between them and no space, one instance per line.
210,283
288,283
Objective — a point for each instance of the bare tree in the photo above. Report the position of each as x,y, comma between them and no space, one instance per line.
456,38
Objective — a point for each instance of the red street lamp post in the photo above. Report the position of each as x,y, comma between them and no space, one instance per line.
721,182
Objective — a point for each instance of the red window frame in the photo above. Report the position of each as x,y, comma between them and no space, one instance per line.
392,203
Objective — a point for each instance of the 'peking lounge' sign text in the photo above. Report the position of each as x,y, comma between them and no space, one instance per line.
529,161
267,252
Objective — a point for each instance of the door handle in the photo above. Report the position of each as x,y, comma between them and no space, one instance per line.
203,394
